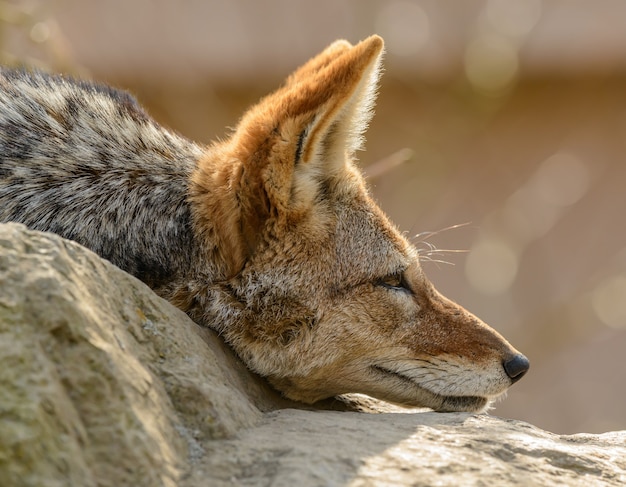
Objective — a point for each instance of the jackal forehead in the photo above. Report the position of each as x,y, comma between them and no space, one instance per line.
343,240
367,244
362,242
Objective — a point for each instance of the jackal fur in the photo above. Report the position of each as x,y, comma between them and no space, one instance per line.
269,237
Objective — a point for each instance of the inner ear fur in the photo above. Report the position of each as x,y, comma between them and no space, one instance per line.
351,83
308,125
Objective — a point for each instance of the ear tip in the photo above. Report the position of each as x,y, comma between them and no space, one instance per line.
371,48
374,43
340,44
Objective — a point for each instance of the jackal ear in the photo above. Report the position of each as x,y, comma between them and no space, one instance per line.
342,85
312,124
286,145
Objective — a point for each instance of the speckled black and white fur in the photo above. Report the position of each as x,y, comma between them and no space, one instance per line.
85,161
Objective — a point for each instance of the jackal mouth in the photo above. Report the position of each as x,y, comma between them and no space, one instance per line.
436,401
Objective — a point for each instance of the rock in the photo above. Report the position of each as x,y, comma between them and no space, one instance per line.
102,383
310,448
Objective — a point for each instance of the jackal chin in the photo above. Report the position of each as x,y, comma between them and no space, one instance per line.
413,388
437,394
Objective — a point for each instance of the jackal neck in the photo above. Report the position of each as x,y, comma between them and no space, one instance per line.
217,213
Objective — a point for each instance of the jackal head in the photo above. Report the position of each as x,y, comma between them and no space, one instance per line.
316,289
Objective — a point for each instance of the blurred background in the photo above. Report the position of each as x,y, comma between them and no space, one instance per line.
500,128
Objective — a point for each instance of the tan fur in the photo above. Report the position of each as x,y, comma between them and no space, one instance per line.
318,291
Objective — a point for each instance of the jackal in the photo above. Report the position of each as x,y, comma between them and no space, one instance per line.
269,237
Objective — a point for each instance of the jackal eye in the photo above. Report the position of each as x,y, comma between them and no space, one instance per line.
395,281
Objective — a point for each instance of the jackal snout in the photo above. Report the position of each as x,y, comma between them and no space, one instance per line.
466,335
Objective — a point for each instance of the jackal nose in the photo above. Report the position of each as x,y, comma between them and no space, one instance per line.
516,367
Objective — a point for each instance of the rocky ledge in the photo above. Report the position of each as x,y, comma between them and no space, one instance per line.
102,383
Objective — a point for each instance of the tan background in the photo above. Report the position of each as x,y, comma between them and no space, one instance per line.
510,116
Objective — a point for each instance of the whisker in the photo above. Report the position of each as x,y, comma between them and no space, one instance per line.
427,250
427,247
443,251
436,261
422,236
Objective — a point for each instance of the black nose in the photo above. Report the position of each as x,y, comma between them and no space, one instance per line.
516,367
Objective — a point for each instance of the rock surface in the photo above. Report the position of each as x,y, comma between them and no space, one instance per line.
102,383
316,448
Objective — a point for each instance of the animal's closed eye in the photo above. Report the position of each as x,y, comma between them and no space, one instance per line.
395,282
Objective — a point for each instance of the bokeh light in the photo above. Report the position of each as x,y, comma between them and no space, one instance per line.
491,64
513,18
491,266
404,25
609,301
